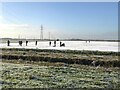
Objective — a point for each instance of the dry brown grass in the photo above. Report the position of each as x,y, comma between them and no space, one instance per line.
70,57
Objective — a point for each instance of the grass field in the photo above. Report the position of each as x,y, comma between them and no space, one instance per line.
46,75
20,72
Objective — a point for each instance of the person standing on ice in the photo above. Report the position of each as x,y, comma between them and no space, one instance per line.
20,42
8,43
36,43
26,43
54,43
60,43
50,43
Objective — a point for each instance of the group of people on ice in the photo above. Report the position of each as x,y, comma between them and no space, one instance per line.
50,43
61,44
20,43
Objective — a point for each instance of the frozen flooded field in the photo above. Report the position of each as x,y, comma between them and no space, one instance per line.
69,45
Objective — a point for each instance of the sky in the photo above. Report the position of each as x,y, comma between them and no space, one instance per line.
63,20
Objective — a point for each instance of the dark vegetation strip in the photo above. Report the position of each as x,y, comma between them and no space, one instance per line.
115,63
56,89
67,51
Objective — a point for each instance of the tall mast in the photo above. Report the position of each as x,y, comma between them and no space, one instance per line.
41,34
49,35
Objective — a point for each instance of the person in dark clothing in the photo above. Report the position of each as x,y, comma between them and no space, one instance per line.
36,43
57,40
54,44
20,43
8,43
26,43
60,43
50,43
63,44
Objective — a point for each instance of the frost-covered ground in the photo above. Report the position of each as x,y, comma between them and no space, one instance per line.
50,76
69,45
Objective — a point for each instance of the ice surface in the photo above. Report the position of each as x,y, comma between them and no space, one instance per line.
69,45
